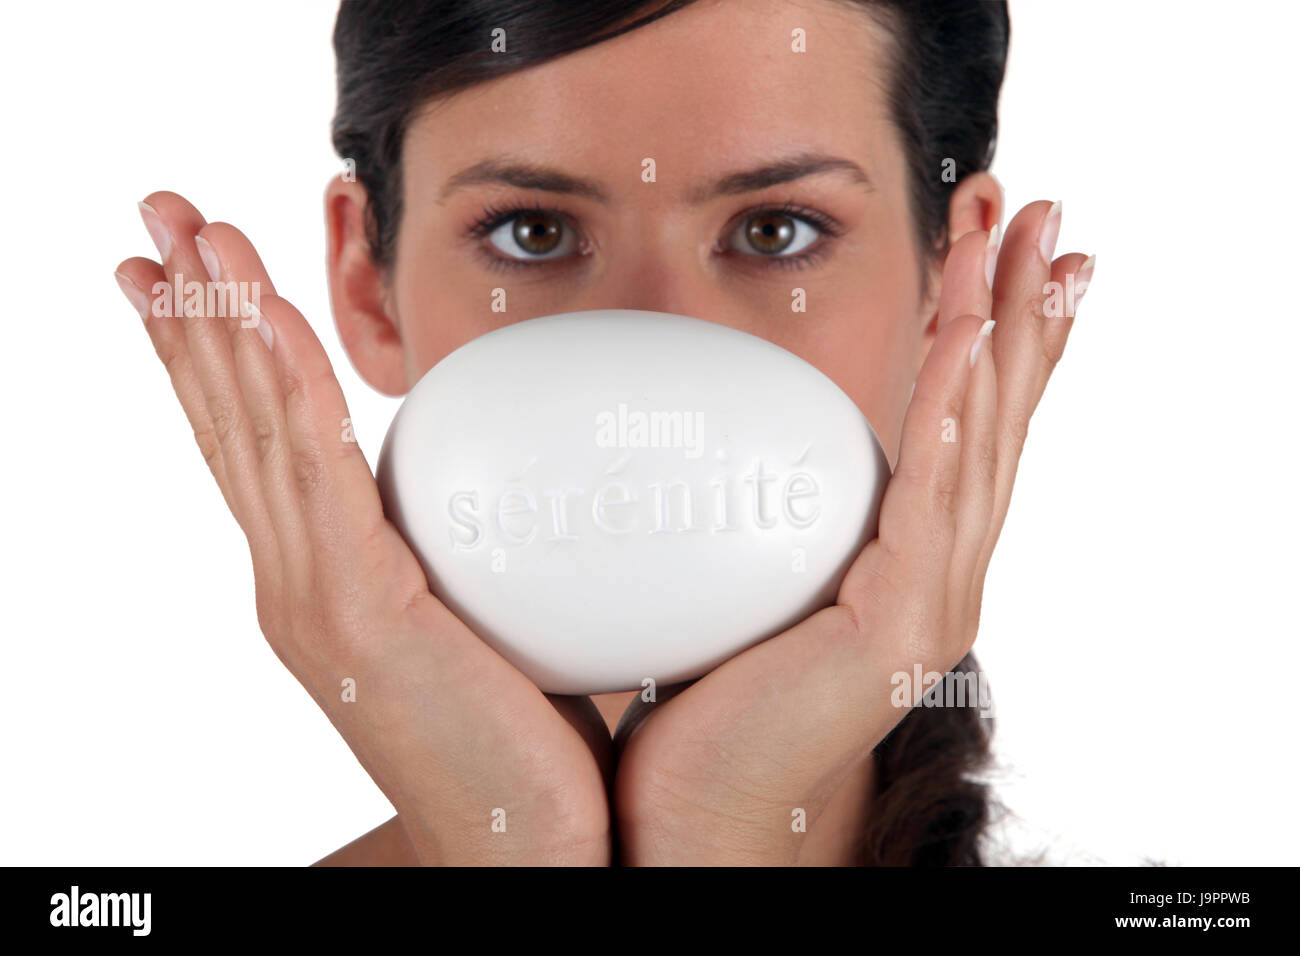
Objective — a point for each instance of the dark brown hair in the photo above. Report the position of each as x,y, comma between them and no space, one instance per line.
929,807
949,57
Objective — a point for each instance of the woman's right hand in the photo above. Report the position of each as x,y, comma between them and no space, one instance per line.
481,766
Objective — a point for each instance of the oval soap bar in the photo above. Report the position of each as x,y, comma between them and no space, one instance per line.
614,495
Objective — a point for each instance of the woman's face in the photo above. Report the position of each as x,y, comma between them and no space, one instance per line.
659,157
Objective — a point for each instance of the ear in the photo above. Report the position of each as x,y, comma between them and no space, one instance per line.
976,204
358,292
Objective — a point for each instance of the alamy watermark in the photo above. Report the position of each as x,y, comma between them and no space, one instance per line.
76,908
631,428
932,689
210,299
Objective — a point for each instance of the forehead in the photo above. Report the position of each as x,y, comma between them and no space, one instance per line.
705,89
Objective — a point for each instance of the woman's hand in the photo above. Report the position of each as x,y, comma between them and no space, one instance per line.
718,770
480,765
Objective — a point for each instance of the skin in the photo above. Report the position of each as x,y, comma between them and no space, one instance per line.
713,771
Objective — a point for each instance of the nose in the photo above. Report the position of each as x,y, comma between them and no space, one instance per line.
667,274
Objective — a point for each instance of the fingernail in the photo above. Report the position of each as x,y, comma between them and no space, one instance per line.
1083,277
157,231
139,301
991,255
1051,228
209,257
263,325
985,331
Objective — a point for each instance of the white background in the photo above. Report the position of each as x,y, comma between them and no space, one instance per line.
1139,620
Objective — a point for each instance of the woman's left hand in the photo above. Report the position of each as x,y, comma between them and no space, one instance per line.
717,771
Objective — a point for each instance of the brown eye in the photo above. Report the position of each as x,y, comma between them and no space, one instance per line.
773,232
538,234
532,235
769,232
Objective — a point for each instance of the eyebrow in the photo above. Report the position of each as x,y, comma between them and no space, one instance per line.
549,179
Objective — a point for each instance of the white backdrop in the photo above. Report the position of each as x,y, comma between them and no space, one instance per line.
1139,616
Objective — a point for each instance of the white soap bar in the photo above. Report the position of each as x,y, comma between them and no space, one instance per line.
616,495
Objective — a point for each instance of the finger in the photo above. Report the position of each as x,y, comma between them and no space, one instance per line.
238,256
977,485
1071,274
173,224
137,278
967,290
339,496
231,259
918,513
968,276
1018,346
1068,275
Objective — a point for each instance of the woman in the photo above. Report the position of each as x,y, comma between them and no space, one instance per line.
500,146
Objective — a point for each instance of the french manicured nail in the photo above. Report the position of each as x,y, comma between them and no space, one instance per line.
985,332
262,324
991,255
139,301
157,231
1083,277
1050,230
209,257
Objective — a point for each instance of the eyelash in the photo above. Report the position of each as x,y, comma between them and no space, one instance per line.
494,216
